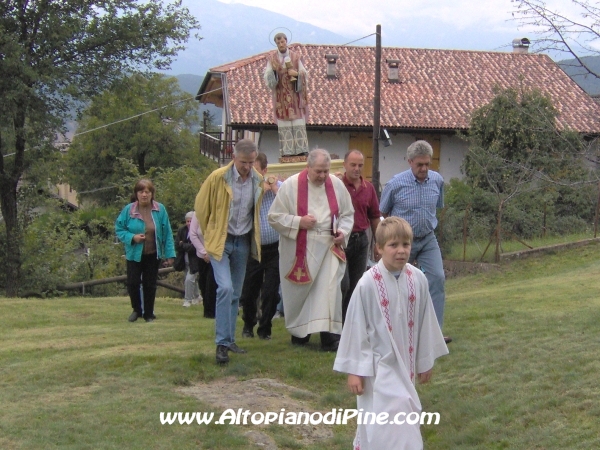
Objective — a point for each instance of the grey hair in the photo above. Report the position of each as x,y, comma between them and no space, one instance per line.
189,215
419,148
245,147
278,35
313,155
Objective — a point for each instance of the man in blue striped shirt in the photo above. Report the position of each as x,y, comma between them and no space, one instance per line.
415,195
262,276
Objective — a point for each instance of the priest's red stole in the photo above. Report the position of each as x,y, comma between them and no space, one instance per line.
299,272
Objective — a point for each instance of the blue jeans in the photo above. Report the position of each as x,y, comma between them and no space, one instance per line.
229,275
427,252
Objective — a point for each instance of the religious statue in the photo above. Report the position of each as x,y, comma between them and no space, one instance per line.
286,77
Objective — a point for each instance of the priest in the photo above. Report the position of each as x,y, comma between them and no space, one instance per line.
313,215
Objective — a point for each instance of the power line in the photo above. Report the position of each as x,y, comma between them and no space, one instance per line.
125,119
359,39
132,117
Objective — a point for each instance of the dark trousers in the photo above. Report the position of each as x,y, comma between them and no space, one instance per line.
143,273
356,264
208,288
261,277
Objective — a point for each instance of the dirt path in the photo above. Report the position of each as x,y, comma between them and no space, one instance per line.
262,395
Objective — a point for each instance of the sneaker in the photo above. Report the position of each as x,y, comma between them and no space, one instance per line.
235,349
187,303
265,337
149,320
134,316
247,333
222,356
277,315
197,301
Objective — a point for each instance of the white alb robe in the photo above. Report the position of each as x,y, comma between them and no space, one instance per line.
368,348
316,306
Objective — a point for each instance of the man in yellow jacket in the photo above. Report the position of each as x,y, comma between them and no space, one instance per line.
227,208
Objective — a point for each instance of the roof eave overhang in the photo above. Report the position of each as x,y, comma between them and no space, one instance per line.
211,89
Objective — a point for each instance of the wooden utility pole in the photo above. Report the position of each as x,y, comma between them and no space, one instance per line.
377,112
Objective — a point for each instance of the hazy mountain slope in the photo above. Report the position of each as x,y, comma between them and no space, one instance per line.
235,31
588,82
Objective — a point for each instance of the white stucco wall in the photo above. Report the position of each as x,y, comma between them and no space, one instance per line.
392,159
453,151
334,142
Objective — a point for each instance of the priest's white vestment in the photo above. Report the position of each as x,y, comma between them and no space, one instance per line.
314,306
391,334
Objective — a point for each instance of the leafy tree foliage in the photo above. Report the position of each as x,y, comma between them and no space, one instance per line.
160,139
177,190
55,54
515,149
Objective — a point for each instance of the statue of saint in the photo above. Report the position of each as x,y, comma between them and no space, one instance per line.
286,77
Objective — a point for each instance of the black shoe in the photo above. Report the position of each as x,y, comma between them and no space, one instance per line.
300,341
266,337
222,356
149,320
247,333
333,347
447,339
235,349
134,316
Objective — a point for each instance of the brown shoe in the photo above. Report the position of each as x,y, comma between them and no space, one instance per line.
447,339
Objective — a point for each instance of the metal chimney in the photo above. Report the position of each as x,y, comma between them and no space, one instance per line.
521,45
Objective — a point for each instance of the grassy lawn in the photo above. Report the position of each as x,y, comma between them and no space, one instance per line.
523,371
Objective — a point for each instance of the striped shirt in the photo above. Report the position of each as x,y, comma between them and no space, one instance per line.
240,208
404,196
268,235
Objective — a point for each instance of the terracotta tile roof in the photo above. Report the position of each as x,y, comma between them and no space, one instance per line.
438,90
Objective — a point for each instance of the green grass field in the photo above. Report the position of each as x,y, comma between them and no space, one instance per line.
523,372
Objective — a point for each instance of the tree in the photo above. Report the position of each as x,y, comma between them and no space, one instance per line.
54,54
515,147
575,30
161,138
177,189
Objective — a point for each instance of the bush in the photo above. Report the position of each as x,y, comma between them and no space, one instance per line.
61,247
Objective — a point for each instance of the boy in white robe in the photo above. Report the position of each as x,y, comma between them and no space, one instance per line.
390,335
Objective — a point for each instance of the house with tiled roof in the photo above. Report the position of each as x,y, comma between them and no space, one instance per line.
425,94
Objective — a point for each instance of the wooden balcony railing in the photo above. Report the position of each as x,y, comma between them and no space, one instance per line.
219,150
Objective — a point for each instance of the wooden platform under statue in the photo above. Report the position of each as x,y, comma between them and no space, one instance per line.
299,158
292,159
282,170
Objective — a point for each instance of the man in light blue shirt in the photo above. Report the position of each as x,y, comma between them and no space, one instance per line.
415,195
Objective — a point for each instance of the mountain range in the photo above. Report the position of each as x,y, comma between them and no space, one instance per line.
234,31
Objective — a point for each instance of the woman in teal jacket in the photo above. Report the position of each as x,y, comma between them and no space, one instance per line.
144,227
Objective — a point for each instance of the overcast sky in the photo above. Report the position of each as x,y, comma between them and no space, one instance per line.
461,24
